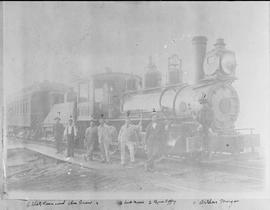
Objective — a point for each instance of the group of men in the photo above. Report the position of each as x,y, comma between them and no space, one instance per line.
128,137
103,134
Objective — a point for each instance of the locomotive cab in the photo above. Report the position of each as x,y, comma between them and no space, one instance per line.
103,92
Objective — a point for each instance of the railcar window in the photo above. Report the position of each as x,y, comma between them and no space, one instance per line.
14,108
58,98
17,108
26,107
21,108
98,95
10,109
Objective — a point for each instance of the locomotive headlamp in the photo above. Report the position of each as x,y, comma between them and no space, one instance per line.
219,61
211,64
228,62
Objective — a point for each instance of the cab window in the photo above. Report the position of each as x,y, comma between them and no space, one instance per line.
83,92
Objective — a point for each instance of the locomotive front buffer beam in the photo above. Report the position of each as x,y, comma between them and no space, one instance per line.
228,144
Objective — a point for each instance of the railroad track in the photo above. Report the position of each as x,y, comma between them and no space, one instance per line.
228,165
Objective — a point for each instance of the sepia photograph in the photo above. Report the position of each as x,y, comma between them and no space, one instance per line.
141,100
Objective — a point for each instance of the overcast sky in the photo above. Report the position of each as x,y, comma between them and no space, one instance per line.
50,40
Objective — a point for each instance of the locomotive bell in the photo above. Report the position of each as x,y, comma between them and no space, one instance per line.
220,62
175,74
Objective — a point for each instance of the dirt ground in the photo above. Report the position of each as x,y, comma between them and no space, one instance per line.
30,171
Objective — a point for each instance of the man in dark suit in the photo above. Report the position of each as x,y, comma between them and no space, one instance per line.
58,130
205,117
70,133
154,139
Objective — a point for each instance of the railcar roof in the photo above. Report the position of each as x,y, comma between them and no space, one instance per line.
41,86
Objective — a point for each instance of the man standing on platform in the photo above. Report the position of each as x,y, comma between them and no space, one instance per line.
154,140
91,138
104,139
58,130
70,134
129,136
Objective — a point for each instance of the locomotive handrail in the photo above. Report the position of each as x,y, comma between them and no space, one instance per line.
200,85
143,90
177,93
164,90
246,129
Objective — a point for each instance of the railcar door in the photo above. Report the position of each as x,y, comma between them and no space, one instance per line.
40,107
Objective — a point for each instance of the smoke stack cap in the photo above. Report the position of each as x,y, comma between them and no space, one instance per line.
199,40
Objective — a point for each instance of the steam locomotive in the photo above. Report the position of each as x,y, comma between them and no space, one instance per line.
113,94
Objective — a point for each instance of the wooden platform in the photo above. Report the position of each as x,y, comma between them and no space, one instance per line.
78,159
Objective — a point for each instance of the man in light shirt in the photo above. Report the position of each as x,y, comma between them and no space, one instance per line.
128,136
91,138
104,139
70,133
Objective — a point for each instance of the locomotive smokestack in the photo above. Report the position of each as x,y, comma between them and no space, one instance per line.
199,43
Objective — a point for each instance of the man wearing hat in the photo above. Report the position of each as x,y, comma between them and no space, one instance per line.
128,136
91,138
58,130
104,139
154,140
205,118
70,134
